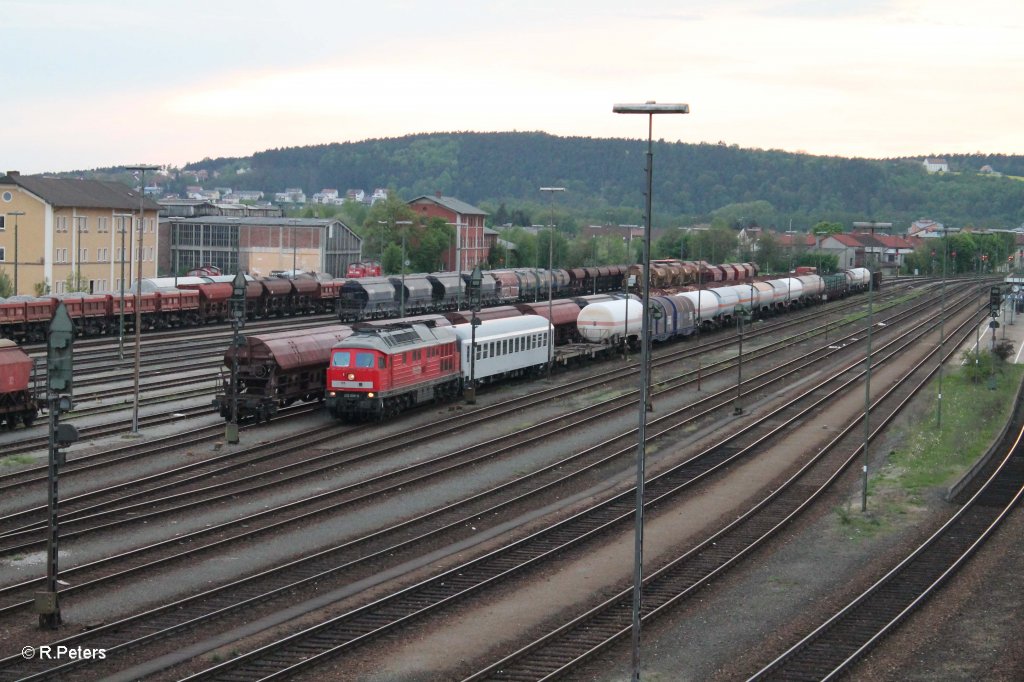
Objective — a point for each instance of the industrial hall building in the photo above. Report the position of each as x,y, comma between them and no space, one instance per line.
261,245
59,235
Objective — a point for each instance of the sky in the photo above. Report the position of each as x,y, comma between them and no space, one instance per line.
96,83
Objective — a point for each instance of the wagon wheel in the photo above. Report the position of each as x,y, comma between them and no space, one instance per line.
12,422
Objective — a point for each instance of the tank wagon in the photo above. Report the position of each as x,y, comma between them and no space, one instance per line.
18,386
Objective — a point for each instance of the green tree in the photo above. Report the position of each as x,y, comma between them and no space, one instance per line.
769,253
75,281
6,285
825,228
381,226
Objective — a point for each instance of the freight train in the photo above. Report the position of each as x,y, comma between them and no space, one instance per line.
191,301
281,368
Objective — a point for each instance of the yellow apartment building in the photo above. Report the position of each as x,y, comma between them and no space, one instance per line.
60,235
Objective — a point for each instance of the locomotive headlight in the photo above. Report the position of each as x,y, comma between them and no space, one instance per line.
331,393
370,394
351,377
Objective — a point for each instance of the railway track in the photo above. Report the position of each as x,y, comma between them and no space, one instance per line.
152,497
837,645
248,673
307,649
470,516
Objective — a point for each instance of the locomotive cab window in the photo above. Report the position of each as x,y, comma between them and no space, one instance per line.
341,359
364,360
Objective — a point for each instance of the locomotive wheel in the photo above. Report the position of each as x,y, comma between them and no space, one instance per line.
28,418
12,422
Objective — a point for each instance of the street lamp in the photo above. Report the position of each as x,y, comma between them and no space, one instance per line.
238,287
123,218
401,303
458,258
475,281
629,257
650,109
16,214
382,224
138,290
293,222
551,250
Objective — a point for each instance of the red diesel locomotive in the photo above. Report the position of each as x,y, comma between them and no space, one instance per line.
380,371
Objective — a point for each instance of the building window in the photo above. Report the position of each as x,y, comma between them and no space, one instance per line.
3,254
83,255
103,224
81,224
8,197
2,224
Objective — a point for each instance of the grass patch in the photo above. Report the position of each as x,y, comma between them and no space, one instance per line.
929,457
972,416
15,460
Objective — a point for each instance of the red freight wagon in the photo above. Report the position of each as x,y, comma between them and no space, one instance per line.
17,403
13,323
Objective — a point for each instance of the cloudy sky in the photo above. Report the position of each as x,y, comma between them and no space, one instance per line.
93,83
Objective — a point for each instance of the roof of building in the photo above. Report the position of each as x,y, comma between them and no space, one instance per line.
256,220
451,203
847,240
72,192
787,239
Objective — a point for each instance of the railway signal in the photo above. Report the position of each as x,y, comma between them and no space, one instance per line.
995,300
59,367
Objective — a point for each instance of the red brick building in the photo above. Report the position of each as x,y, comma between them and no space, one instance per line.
470,248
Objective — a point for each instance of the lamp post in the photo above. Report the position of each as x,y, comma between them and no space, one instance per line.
629,257
293,222
401,304
123,217
475,280
551,251
458,259
382,224
16,214
238,321
649,109
138,290
741,316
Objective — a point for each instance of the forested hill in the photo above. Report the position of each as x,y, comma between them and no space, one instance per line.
605,179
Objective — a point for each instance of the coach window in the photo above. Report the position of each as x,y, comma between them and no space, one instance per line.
364,360
342,359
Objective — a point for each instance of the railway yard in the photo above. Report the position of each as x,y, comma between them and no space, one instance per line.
495,540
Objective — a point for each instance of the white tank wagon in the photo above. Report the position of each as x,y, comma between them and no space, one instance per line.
814,286
858,278
727,301
705,305
764,295
788,289
606,323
